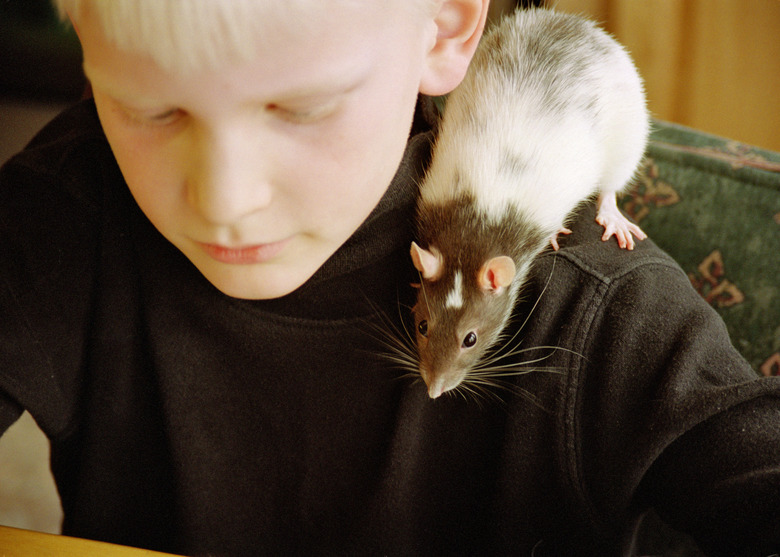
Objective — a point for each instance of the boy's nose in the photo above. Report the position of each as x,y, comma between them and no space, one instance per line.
227,181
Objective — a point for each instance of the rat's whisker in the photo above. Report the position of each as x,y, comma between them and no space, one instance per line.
403,330
477,392
515,372
495,359
485,382
506,340
396,345
494,363
486,388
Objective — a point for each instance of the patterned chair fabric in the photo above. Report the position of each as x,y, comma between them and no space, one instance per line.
714,205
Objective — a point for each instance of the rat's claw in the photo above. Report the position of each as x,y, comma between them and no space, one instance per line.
624,238
554,238
636,231
609,229
621,234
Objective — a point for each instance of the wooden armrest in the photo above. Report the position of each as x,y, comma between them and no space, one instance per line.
25,543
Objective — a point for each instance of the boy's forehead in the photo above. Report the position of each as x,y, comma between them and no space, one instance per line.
190,35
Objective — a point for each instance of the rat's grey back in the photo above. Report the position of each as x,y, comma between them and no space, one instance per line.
560,61
552,108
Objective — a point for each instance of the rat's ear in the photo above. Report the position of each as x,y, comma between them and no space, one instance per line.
459,26
496,274
429,263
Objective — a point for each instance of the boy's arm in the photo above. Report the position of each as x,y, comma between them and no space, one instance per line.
722,481
49,215
10,411
671,416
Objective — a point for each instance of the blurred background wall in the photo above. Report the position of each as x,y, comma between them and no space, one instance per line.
709,64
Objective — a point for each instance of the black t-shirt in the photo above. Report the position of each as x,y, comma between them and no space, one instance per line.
187,421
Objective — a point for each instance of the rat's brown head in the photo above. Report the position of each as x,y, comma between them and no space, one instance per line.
459,314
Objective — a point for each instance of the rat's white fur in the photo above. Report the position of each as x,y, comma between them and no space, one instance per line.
455,297
551,112
590,139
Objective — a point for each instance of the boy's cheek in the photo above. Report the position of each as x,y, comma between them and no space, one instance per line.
141,159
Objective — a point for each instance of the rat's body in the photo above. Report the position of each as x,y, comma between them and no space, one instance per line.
551,112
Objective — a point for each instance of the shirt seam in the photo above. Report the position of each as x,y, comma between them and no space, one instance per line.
571,407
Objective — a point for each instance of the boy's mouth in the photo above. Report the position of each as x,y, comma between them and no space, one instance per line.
243,255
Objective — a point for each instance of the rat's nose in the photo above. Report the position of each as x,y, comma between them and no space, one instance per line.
436,383
436,388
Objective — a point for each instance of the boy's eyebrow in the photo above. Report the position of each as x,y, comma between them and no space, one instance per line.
344,84
97,81
334,88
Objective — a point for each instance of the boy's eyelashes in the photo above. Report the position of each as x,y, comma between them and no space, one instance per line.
297,115
164,117
301,115
150,118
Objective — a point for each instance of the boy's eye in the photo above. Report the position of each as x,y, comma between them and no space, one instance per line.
152,118
164,116
301,115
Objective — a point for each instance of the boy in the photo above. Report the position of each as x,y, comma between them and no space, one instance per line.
194,262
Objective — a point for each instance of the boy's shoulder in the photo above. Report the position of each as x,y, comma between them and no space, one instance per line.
604,261
69,157
74,135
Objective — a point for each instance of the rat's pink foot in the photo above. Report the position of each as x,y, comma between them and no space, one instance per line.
554,238
614,223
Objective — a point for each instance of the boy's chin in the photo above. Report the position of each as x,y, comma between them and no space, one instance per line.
255,282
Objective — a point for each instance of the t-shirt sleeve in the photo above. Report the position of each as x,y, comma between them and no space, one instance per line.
669,415
721,480
10,411
48,242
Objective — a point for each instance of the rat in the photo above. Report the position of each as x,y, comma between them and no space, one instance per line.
551,112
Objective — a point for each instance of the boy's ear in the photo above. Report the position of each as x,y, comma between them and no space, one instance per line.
459,26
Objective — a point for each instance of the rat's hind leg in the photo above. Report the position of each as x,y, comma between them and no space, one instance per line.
609,216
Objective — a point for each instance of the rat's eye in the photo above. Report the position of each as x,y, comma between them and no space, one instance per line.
470,340
422,328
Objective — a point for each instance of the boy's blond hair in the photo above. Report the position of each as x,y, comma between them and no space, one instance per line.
186,35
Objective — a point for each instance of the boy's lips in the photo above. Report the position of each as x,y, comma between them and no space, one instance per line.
243,255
